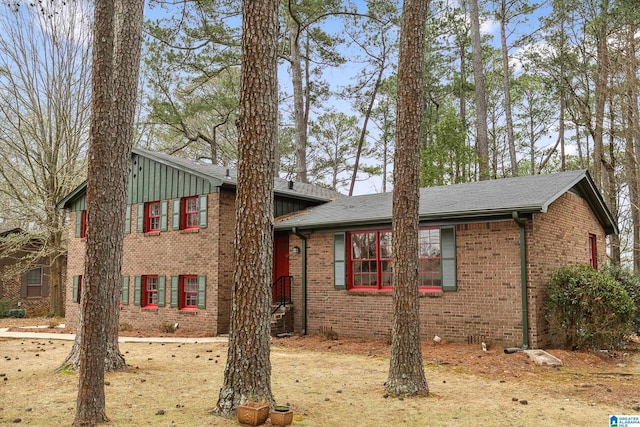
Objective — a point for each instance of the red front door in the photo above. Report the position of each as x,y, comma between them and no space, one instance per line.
281,268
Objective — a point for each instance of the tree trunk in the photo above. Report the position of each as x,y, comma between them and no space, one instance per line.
117,45
56,288
90,406
482,140
602,61
247,375
632,146
298,102
611,186
406,372
363,132
506,84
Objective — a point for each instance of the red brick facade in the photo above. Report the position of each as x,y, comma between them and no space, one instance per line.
488,301
486,305
204,251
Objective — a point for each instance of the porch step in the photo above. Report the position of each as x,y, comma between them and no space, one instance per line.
282,321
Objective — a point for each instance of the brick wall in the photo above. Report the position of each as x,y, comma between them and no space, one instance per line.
204,251
487,303
11,284
559,237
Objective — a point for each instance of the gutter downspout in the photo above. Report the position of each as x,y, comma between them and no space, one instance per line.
523,278
303,253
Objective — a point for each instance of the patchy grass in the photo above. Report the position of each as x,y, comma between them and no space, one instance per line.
326,383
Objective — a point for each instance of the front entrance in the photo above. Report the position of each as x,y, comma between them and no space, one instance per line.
281,281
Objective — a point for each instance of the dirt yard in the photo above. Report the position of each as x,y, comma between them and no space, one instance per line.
327,383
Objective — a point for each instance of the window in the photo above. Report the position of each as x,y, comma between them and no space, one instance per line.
190,213
77,288
150,291
34,277
152,217
369,262
429,269
593,251
34,282
188,292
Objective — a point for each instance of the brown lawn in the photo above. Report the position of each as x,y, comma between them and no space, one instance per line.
327,383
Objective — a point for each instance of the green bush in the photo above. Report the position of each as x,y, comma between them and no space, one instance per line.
631,283
592,309
17,312
4,307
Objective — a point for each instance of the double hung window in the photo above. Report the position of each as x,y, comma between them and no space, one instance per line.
150,291
152,217
190,213
188,292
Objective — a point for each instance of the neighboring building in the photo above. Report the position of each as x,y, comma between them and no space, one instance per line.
179,242
24,280
482,246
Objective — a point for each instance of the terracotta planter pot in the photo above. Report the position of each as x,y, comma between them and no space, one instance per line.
253,413
281,416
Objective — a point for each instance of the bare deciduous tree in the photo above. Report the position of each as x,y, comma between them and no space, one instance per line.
44,120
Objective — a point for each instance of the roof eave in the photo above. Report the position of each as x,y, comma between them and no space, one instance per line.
73,195
435,217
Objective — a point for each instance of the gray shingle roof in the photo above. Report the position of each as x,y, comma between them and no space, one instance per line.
499,197
228,176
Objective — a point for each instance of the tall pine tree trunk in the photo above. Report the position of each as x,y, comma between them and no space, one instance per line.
406,372
117,45
298,100
602,61
506,85
482,137
247,375
632,145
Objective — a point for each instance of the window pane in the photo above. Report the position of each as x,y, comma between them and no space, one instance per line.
154,209
429,270
429,243
192,220
34,277
364,245
192,205
385,244
387,273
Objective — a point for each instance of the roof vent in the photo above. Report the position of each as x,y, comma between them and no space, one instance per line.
290,185
226,175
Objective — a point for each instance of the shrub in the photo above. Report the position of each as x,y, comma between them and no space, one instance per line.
4,308
16,312
631,283
592,309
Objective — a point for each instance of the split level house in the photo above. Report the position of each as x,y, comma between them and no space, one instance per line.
178,248
486,252
24,276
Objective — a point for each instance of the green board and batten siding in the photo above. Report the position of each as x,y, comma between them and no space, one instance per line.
150,180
